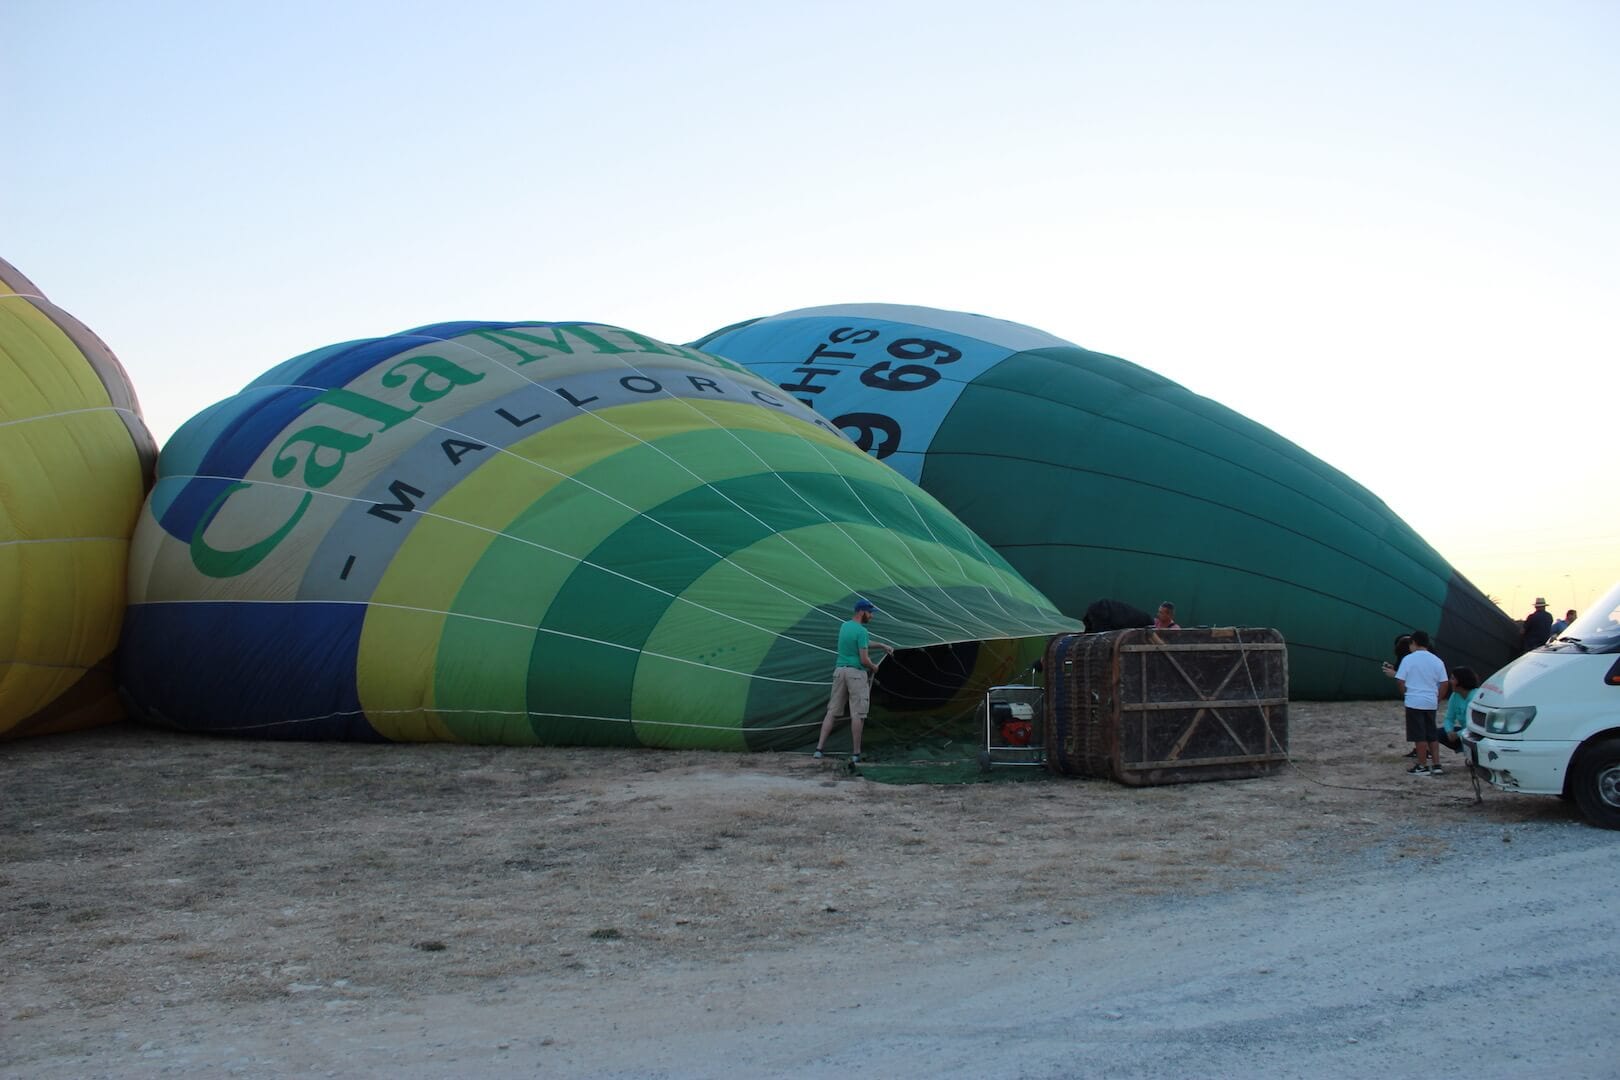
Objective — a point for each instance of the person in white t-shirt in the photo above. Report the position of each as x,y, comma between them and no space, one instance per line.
1420,677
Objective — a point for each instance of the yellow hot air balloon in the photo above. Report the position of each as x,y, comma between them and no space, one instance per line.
75,462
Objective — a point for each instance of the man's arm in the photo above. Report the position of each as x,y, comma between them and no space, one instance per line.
866,661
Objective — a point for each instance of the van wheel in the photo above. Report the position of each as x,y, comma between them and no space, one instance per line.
1595,781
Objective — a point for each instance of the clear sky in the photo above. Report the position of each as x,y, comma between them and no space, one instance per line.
1388,231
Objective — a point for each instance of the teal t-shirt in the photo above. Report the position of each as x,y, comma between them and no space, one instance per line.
1457,710
852,638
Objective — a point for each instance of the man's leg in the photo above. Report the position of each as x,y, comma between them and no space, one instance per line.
860,698
837,702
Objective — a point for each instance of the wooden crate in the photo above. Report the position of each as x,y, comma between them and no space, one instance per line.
1167,706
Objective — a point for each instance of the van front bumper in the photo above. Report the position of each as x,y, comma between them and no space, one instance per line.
1535,767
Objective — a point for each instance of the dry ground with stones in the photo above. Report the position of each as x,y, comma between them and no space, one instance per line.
143,871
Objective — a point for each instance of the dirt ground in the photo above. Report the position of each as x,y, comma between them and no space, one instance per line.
143,871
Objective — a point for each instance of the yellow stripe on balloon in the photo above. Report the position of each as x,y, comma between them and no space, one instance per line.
426,574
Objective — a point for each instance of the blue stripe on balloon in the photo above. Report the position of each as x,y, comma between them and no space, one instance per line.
290,372
184,503
447,330
339,365
232,436
264,409
285,661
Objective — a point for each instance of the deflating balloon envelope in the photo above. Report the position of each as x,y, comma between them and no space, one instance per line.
74,462
1099,479
542,533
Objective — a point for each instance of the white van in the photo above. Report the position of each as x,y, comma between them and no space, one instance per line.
1549,722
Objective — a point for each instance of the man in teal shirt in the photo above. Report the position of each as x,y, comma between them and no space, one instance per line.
850,687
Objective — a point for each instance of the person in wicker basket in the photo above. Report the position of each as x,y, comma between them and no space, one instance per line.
1166,618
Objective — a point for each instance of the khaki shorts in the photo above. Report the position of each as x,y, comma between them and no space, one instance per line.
850,690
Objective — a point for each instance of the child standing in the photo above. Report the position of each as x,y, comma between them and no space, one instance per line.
1420,677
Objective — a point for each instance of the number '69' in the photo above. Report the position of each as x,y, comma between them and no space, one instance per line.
910,376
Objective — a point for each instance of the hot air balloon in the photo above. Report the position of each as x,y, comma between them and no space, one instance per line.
75,458
559,533
1098,479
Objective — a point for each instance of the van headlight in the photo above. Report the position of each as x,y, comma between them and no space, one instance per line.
1509,721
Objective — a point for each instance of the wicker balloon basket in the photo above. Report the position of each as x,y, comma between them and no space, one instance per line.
1151,706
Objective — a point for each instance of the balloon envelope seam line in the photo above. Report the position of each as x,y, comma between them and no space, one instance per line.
671,529
741,509
1227,566
1377,568
892,476
120,410
817,450
1355,493
911,504
889,475
517,712
921,520
19,662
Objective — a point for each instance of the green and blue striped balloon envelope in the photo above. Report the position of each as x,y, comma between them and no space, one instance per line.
1097,478
557,533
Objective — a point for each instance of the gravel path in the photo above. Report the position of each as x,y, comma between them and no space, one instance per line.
1498,958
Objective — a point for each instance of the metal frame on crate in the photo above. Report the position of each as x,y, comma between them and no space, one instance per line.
1203,703
998,753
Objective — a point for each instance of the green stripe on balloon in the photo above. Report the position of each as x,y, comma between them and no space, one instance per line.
1281,537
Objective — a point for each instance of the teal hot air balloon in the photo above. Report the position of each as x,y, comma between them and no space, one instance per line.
543,533
1099,479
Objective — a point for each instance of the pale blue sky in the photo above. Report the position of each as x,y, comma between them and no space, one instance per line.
1389,231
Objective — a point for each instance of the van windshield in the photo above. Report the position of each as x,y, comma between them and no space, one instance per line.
1598,628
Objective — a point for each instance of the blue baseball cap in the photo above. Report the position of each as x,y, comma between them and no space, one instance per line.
864,604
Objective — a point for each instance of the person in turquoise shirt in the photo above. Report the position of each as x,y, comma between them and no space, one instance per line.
1464,685
851,689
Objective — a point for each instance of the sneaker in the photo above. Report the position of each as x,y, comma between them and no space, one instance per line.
1436,770
818,753
854,759
1410,753
1418,770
